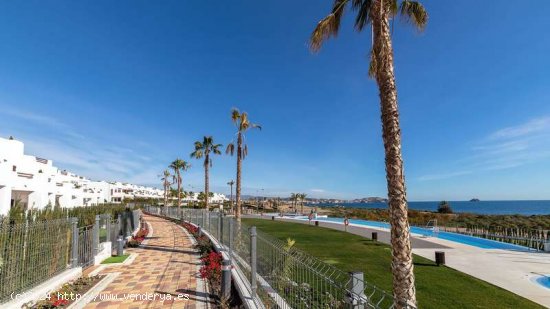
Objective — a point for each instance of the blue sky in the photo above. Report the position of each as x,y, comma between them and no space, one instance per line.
117,89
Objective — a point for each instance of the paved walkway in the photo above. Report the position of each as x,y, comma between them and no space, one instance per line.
166,267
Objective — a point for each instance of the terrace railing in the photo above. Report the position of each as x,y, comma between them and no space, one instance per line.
281,275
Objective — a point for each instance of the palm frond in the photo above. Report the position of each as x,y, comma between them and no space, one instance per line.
197,154
394,8
230,149
363,8
414,12
328,26
372,65
245,151
235,115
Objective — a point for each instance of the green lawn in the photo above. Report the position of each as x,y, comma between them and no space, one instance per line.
115,259
437,287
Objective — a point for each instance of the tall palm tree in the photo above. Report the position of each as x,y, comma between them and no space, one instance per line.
293,199
242,123
231,183
166,185
178,166
377,14
302,199
203,150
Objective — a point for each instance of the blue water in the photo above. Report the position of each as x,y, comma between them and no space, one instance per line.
482,207
544,281
460,238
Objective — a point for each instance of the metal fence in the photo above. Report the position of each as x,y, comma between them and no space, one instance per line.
86,246
534,239
281,275
31,253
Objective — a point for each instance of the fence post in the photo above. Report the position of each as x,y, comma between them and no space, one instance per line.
208,218
124,217
95,236
226,279
230,239
120,246
74,253
182,216
119,226
107,218
220,228
356,288
253,284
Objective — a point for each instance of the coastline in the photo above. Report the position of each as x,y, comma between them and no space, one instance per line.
498,207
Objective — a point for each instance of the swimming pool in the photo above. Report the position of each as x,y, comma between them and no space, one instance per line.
459,238
542,280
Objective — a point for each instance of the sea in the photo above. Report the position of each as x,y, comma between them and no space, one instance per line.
538,207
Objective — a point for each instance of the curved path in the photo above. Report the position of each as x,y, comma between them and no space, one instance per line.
164,273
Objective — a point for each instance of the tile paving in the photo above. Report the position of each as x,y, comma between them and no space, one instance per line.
165,269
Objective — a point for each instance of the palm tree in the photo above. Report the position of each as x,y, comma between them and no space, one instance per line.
377,14
166,185
243,124
293,197
203,150
178,166
302,199
231,183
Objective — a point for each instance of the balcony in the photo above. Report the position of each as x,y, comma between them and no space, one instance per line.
25,175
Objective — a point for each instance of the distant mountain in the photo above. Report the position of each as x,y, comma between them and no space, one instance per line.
474,200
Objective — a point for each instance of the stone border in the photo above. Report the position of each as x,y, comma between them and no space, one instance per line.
240,280
202,285
40,291
92,293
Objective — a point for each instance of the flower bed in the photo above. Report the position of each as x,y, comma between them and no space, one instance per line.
211,269
138,238
68,293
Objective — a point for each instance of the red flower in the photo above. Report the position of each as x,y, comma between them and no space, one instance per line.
60,302
212,266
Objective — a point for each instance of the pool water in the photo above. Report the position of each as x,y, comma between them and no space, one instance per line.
459,238
544,281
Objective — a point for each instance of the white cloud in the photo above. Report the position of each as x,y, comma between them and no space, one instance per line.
50,138
42,120
532,126
317,190
505,148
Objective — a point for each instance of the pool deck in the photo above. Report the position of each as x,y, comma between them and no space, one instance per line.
510,270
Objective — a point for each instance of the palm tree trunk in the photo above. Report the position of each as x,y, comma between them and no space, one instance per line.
206,163
165,195
402,263
238,188
179,189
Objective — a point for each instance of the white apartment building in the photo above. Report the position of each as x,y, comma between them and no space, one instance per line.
35,183
217,198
